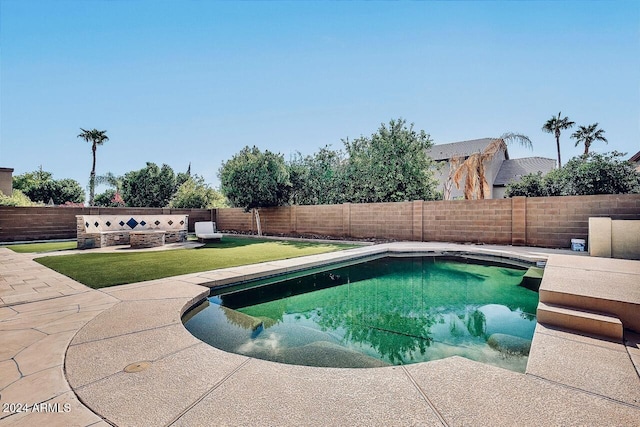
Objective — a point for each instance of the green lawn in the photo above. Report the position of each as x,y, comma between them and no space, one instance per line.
98,270
42,247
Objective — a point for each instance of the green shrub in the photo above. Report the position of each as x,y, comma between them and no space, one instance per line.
18,198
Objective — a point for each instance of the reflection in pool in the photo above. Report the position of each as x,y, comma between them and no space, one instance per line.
389,311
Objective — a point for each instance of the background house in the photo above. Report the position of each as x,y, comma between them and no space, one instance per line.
635,159
512,170
6,181
499,170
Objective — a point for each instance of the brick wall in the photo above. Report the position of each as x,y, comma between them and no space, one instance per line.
44,223
544,221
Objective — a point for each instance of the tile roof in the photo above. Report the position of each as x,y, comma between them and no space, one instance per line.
462,148
514,169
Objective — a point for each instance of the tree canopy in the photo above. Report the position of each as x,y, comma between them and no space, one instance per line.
390,166
39,186
317,179
108,199
588,174
253,179
194,193
151,186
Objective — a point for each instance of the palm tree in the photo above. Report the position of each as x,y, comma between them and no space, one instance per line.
555,125
523,140
476,185
115,182
587,135
95,137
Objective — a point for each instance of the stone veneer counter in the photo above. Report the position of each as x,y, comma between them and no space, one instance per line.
146,239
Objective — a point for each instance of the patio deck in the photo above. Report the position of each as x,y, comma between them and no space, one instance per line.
64,343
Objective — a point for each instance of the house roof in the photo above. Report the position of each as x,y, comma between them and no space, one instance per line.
514,169
462,149
636,157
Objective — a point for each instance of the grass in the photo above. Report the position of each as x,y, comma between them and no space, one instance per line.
42,247
99,270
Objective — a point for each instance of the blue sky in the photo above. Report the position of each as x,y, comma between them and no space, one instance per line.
195,81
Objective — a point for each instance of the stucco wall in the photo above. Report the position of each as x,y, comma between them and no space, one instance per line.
6,181
614,238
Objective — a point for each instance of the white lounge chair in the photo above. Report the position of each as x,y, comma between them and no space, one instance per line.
206,230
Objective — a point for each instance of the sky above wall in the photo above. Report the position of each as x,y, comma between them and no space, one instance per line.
180,82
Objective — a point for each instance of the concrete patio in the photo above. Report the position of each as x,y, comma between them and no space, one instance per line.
120,356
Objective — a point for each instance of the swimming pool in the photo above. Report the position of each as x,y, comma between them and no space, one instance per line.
392,310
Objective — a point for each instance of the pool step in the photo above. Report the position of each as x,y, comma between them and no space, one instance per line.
532,278
580,320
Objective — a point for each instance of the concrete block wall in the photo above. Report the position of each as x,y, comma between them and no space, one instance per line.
234,219
475,221
38,223
554,221
324,220
276,220
46,223
382,220
544,221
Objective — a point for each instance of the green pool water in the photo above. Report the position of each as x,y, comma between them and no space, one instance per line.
389,311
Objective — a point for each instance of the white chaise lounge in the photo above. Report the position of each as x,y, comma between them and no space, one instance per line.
206,230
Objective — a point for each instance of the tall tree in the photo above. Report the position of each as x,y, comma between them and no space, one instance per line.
556,125
587,135
252,179
95,137
151,186
317,179
390,166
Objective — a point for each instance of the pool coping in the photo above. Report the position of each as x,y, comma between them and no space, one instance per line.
178,380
